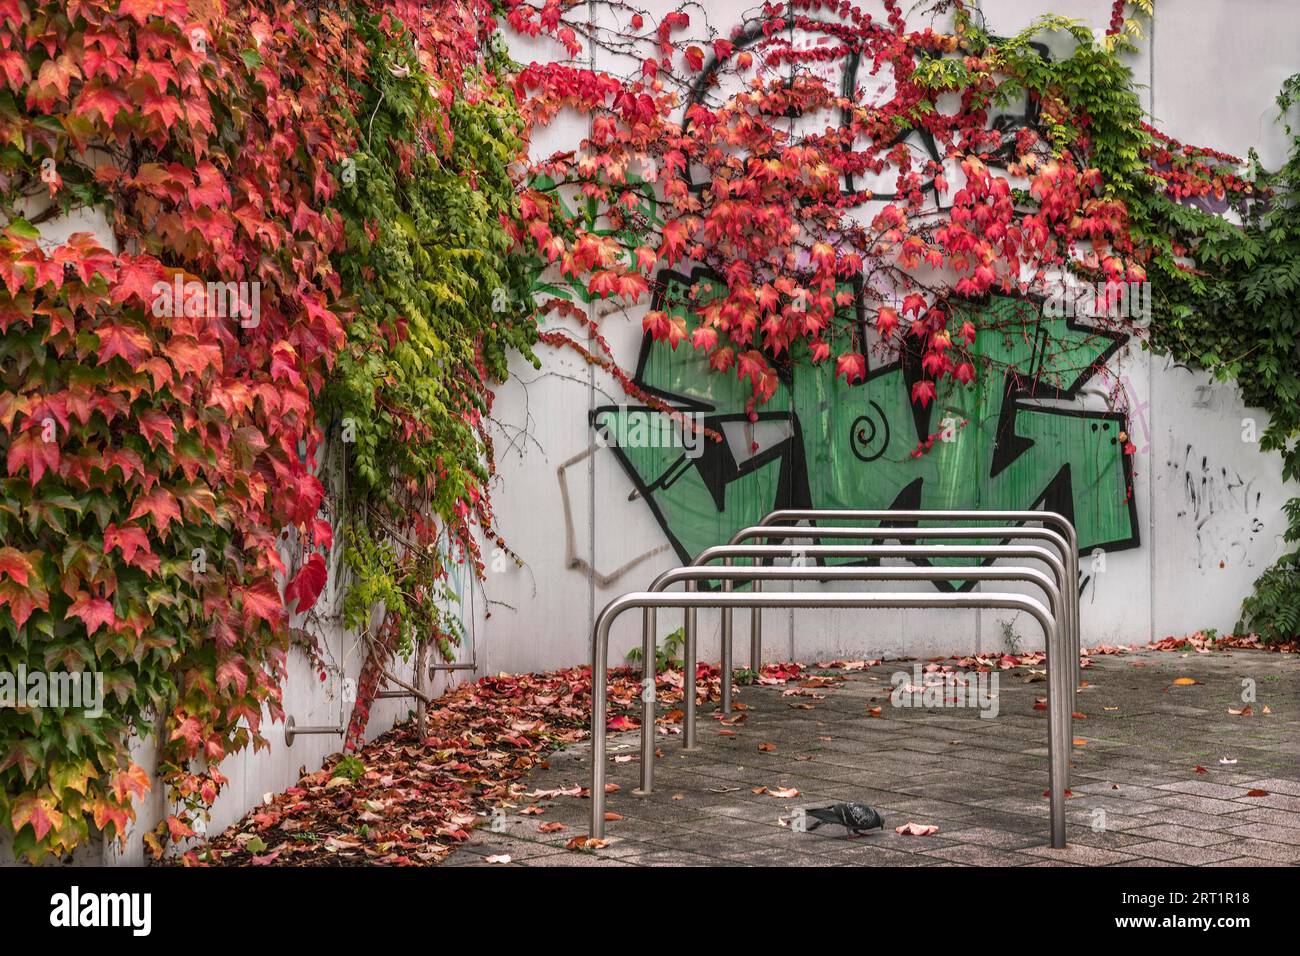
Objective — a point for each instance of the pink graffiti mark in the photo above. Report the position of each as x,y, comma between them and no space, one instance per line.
1137,411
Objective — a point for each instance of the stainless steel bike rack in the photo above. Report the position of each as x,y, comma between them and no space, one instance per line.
730,574
1054,519
1059,714
785,534
984,551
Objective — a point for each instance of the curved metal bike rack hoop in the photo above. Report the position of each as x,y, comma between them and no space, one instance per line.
1058,712
730,574
1053,519
983,551
776,532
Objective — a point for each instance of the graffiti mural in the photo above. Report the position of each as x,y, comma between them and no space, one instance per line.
822,443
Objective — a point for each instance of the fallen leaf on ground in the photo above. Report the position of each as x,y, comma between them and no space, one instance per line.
767,747
1186,681
1244,712
574,791
916,829
783,793
1257,793
611,815
1200,769
553,827
498,858
1227,760
585,843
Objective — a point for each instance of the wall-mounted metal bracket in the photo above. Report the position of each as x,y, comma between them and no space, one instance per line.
292,730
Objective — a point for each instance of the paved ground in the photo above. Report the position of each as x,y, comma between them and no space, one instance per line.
1138,797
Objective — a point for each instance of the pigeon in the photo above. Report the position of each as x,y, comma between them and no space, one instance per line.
856,817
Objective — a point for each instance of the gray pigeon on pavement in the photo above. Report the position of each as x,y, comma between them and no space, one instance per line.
856,817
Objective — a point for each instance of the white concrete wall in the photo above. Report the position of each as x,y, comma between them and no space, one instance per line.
1208,74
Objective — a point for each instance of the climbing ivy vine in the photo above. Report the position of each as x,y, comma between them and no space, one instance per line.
1237,314
441,302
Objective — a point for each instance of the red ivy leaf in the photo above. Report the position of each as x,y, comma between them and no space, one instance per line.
94,612
38,813
261,600
307,584
15,564
22,600
129,538
161,506
124,340
29,450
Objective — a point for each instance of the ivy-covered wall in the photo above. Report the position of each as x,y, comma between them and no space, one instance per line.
296,272
1166,470
265,265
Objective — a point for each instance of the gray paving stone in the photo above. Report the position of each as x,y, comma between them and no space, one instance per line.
1178,852
1288,836
1189,836
980,781
1081,855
